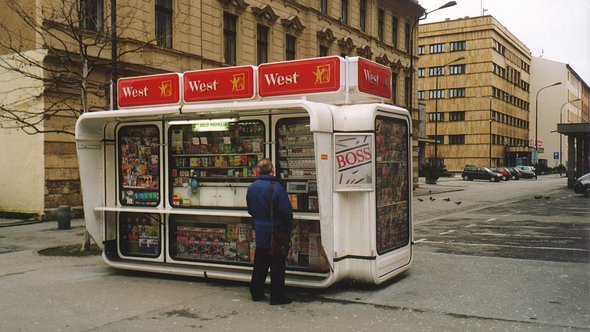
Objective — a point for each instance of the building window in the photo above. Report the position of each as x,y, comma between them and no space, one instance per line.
421,95
394,78
432,117
456,116
436,71
363,14
436,94
457,46
498,47
344,12
229,39
457,69
421,50
261,44
324,6
91,14
394,29
290,51
380,24
408,37
421,72
456,139
324,50
164,23
457,93
437,48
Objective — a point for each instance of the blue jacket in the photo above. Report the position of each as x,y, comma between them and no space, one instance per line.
258,200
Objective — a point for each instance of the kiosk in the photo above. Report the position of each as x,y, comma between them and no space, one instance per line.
164,178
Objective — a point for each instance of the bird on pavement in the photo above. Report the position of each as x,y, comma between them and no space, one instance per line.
547,197
420,199
432,199
458,203
447,199
538,196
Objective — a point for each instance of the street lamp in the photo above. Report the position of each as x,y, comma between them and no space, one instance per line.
438,73
536,159
560,134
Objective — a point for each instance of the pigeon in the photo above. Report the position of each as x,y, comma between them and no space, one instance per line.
430,191
432,199
538,196
547,197
458,203
420,199
447,199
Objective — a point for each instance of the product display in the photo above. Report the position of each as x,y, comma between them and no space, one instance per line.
139,234
392,189
139,165
296,163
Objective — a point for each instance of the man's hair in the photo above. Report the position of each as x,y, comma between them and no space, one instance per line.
265,166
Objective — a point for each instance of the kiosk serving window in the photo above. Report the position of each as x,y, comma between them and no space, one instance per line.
213,162
139,165
391,153
296,163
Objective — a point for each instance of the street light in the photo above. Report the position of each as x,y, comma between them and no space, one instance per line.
560,134
536,159
438,73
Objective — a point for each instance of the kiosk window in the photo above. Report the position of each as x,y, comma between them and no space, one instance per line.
296,163
392,188
212,163
140,234
139,165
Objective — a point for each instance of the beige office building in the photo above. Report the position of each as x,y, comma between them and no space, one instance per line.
39,166
474,78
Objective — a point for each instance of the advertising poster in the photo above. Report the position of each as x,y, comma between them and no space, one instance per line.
353,161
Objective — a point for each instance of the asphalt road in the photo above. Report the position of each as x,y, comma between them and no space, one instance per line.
501,260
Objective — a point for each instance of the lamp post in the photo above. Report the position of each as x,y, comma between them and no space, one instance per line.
561,135
536,159
438,73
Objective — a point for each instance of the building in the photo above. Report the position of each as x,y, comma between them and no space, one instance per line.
474,78
157,36
565,103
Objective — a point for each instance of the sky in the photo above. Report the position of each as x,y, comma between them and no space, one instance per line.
557,30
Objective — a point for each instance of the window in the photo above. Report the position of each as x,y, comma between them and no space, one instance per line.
380,24
164,23
324,6
229,39
436,94
91,14
457,46
498,47
436,71
261,44
363,14
456,139
457,93
457,116
394,78
433,116
394,29
421,72
457,69
437,48
344,12
441,140
290,42
407,90
421,95
408,36
421,50
324,50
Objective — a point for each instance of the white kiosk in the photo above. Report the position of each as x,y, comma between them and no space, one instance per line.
164,178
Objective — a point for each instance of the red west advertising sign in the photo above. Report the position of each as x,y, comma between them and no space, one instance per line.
149,90
219,84
374,78
299,77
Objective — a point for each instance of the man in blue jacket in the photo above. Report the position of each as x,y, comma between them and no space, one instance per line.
259,201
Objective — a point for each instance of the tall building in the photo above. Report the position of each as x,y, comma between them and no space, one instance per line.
565,103
45,38
474,78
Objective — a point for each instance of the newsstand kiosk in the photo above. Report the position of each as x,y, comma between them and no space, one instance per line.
164,178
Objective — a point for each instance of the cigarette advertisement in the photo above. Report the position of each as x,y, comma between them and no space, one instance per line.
353,162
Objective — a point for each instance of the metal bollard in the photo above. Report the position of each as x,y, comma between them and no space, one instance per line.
64,216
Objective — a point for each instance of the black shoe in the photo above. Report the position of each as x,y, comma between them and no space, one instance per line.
280,301
258,298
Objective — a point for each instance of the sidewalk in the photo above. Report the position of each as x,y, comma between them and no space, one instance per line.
443,185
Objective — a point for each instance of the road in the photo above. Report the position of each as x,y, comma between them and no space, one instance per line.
502,260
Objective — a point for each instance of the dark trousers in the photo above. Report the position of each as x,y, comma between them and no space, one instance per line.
263,260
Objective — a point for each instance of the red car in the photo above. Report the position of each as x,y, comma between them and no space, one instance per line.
506,175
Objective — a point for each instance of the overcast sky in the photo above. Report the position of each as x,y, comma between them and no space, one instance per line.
557,30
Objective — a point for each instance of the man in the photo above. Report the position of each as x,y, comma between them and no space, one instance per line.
259,203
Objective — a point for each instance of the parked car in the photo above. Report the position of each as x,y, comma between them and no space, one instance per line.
527,172
515,173
471,173
582,185
504,171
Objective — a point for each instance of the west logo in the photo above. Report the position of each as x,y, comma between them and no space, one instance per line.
198,86
371,78
130,92
238,82
322,74
280,80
